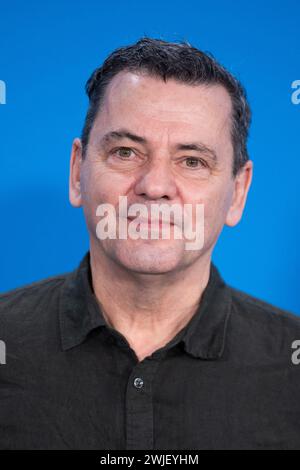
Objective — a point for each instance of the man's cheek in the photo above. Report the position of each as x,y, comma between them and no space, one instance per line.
212,220
90,217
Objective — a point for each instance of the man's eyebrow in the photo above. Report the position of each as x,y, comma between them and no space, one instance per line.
124,133
121,134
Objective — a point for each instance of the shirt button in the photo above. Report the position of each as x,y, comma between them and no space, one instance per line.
138,382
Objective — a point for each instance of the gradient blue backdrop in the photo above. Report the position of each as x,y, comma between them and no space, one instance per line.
48,50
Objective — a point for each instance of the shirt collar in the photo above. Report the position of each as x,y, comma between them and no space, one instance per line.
203,337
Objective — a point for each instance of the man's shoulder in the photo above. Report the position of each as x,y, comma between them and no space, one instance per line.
24,299
262,333
29,324
262,313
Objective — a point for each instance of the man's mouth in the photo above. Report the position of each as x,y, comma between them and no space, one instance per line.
150,221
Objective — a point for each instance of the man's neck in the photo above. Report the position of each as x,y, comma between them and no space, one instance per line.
147,309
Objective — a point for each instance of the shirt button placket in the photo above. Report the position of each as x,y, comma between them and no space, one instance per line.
139,406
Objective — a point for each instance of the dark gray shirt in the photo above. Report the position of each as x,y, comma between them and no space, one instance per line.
225,381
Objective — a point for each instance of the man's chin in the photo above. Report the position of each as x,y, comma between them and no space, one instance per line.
154,256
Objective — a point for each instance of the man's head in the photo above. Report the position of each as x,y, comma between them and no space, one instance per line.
166,106
180,62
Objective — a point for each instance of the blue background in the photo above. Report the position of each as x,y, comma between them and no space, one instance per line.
48,51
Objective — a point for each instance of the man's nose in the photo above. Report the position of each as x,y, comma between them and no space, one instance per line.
156,181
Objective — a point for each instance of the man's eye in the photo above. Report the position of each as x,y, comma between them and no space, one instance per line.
193,162
124,152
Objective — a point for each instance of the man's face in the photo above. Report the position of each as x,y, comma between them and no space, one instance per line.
156,169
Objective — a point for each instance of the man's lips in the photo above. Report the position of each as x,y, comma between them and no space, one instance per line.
149,221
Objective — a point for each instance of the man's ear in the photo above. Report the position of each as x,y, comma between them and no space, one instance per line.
241,187
75,171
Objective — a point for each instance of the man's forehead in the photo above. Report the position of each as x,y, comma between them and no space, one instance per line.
149,116
168,97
